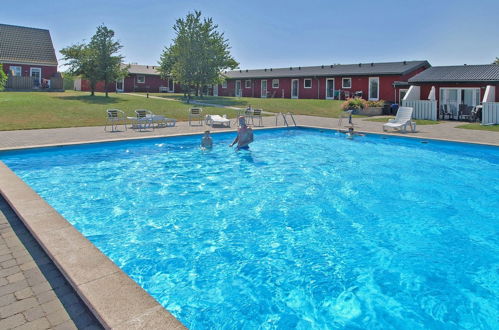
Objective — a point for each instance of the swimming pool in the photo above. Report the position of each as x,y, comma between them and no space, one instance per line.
306,230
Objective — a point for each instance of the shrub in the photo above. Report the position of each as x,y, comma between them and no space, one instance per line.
354,104
3,78
376,104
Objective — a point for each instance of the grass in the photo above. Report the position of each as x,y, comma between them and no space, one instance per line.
493,128
32,110
322,108
418,121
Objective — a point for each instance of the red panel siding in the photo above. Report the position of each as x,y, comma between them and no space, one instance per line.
151,84
47,71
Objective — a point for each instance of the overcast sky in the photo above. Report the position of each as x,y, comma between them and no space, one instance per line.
266,34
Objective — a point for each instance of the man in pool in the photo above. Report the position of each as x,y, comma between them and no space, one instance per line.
244,135
350,134
206,141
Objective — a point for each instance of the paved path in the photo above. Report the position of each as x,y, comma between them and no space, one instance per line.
33,293
26,138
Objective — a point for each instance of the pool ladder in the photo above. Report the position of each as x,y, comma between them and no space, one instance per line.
345,115
284,118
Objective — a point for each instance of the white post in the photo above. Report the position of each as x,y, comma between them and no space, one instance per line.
490,94
413,94
432,96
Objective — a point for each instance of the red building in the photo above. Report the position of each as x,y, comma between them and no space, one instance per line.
27,52
374,81
141,78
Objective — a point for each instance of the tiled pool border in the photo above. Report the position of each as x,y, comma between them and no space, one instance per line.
114,298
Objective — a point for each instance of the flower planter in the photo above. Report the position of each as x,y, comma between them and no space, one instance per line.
372,111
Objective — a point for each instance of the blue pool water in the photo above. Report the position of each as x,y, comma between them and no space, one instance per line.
308,230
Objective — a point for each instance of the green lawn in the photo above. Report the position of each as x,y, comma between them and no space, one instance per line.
30,110
418,121
493,128
322,108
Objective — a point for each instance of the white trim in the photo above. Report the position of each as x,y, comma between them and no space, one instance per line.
247,83
224,84
215,90
34,69
297,88
263,95
17,67
330,97
369,89
343,83
137,79
122,86
238,91
305,79
273,83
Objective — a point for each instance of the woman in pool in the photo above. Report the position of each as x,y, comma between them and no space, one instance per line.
244,135
206,141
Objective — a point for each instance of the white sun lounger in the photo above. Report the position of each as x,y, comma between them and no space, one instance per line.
217,120
403,118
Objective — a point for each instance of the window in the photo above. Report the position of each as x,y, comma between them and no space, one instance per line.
141,79
247,84
346,83
224,84
15,70
373,88
307,83
275,83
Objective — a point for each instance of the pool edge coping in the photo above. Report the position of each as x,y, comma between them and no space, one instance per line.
116,300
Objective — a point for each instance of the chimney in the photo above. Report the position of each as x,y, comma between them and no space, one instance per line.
372,64
291,68
246,70
331,66
265,70
147,66
270,69
299,68
360,64
405,62
240,71
322,66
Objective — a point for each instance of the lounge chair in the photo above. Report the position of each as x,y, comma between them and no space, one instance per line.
115,117
195,115
217,120
402,119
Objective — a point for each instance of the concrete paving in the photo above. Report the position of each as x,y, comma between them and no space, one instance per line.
33,293
59,136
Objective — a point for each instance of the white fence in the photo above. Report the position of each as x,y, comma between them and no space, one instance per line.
490,113
423,109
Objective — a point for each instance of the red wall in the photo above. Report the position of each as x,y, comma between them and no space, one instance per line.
318,90
131,85
47,71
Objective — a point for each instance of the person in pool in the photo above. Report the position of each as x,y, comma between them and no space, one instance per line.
206,141
244,135
351,133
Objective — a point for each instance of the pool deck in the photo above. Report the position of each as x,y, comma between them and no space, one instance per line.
62,136
53,277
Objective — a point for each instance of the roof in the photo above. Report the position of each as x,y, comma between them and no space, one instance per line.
142,69
361,69
20,44
458,73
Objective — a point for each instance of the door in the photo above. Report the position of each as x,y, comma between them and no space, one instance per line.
330,89
36,74
453,97
263,88
294,88
120,85
215,90
373,88
238,88
171,86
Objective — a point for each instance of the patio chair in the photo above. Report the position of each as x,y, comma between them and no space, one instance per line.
444,111
402,119
476,113
115,117
464,112
257,114
217,120
142,120
195,115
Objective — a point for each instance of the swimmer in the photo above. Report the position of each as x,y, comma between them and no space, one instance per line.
351,133
244,135
206,141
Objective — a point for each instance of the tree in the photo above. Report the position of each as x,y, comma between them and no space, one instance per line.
496,61
98,60
198,54
3,78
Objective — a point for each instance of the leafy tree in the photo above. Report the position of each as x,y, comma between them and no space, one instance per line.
198,54
3,78
96,61
496,61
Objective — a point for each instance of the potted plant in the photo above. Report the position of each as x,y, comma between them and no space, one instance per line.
374,108
355,104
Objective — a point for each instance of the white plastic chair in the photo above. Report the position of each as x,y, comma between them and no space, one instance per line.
195,115
402,119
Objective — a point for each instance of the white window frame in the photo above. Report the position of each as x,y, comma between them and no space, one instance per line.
238,92
224,84
369,90
343,83
297,96
16,67
304,85
37,69
263,92
247,83
334,86
275,83
139,80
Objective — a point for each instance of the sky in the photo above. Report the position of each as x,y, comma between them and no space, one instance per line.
272,34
